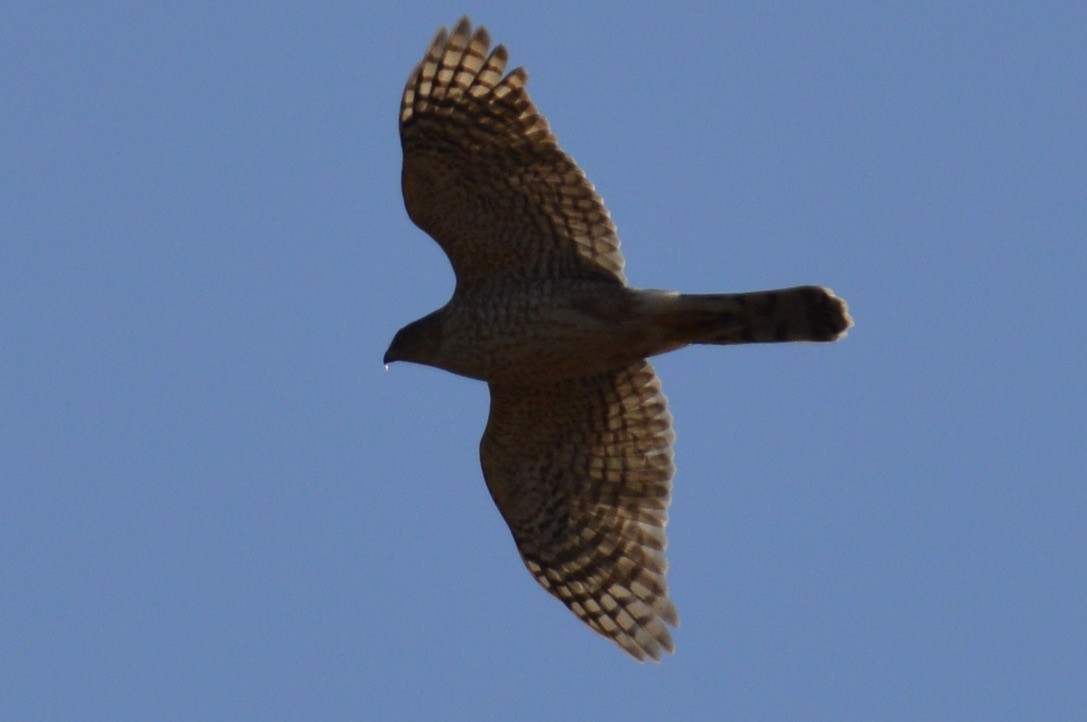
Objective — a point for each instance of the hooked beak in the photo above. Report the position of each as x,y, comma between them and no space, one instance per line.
390,355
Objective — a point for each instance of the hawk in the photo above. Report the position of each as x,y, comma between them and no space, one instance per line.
577,453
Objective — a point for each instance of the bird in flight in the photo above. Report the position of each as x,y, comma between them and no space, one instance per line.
577,452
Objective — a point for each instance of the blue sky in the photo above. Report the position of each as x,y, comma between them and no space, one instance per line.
215,503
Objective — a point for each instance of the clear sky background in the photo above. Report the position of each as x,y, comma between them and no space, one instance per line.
216,504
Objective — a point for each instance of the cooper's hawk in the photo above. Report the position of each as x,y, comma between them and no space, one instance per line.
577,453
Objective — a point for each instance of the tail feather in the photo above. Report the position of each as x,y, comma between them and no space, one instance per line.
804,313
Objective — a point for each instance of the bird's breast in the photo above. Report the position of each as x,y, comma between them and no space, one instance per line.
534,332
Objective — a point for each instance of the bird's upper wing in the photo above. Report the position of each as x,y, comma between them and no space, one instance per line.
582,473
485,177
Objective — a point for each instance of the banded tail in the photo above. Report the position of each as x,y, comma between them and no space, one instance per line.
803,313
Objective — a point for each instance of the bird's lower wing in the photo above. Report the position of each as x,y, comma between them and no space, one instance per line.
582,473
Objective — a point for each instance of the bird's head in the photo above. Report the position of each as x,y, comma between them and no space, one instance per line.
419,342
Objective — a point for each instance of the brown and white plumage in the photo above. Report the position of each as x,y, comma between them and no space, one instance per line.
577,453
485,177
582,471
